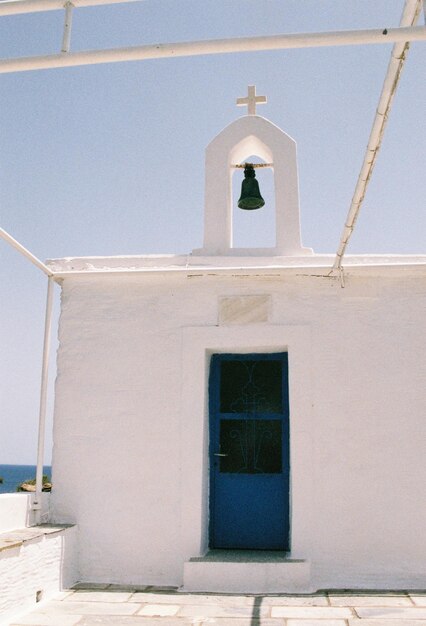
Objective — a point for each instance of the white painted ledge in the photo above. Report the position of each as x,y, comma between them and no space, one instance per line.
17,538
317,264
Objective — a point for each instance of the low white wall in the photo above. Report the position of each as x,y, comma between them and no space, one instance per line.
35,562
15,510
36,570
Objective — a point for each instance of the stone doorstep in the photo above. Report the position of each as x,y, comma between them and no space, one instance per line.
245,556
16,538
245,572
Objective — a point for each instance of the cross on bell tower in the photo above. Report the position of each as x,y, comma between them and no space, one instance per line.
251,100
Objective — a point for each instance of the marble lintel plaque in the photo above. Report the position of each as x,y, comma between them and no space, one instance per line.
244,309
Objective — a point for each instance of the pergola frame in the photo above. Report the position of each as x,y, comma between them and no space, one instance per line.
208,46
399,36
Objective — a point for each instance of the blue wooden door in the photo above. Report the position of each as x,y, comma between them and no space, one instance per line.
249,451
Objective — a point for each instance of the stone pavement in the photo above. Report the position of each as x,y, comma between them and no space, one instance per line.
91,604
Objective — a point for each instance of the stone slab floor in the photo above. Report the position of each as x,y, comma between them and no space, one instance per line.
90,605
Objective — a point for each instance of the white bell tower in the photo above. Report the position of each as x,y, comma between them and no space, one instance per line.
251,135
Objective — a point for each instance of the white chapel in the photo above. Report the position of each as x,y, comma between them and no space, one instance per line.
270,412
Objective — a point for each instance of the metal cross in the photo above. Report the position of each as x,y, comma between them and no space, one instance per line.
251,100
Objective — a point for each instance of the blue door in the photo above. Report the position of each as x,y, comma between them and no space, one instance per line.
249,451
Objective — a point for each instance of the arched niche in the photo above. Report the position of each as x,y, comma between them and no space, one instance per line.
251,135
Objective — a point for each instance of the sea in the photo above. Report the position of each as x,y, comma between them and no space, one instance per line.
14,475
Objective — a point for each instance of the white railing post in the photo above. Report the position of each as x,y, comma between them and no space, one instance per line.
37,502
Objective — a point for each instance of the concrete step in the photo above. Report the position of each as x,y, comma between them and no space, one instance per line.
247,571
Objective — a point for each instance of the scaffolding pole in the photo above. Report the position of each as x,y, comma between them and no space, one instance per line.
215,46
37,502
409,17
18,7
26,253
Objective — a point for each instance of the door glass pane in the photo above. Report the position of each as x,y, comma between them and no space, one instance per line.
251,386
251,446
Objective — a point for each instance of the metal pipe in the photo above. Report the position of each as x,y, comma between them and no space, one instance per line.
66,39
242,165
26,253
15,7
37,503
215,46
409,17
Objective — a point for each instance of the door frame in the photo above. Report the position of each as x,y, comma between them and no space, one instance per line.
198,344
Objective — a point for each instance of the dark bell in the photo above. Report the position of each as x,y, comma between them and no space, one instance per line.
250,194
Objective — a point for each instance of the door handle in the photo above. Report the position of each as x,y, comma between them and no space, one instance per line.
219,454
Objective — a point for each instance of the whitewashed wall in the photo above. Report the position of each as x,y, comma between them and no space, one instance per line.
129,463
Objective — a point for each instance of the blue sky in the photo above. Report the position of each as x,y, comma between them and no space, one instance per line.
109,159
